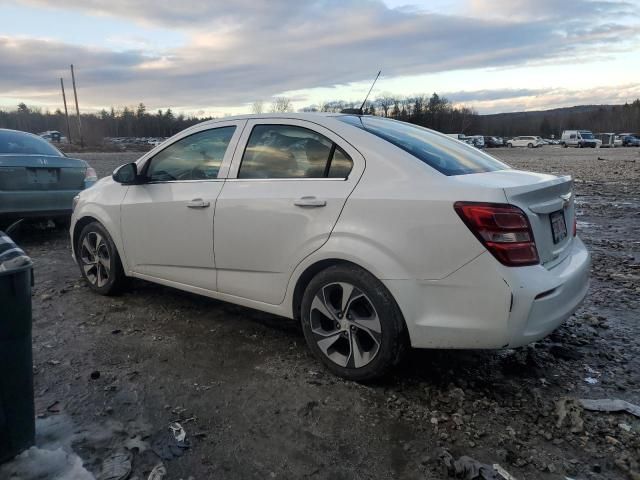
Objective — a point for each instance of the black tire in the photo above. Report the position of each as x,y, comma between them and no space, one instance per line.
116,279
393,338
510,145
564,145
529,145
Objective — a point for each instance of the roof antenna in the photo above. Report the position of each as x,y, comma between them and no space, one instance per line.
369,93
360,111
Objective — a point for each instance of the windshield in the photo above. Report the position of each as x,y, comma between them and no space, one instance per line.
586,135
448,156
20,143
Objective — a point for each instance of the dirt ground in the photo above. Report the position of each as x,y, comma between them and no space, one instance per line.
115,372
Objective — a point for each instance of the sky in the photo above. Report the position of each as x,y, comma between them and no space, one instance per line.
218,57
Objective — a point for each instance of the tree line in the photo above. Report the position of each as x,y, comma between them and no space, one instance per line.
440,114
434,111
122,122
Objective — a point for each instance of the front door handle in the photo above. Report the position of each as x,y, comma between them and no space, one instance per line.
310,202
198,203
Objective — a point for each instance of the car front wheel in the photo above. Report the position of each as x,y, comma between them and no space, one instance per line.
352,324
99,260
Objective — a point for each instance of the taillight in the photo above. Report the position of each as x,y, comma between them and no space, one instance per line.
90,177
503,229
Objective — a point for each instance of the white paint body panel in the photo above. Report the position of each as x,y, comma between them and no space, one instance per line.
525,142
393,216
261,235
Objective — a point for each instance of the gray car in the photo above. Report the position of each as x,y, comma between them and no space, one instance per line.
36,179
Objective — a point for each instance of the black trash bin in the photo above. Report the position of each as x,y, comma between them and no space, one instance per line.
17,416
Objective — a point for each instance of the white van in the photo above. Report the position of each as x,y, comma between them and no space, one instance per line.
579,139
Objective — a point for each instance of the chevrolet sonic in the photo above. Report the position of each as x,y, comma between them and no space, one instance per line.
375,234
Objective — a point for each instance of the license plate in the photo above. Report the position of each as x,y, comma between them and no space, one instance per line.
558,226
44,176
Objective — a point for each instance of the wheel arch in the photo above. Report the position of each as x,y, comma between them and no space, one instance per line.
77,228
86,220
307,275
312,270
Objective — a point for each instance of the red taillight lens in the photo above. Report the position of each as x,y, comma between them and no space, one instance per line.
503,229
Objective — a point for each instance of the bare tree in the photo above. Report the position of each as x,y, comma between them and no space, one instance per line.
281,104
257,107
385,102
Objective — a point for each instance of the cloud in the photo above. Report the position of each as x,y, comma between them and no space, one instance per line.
245,50
488,95
512,100
565,10
38,63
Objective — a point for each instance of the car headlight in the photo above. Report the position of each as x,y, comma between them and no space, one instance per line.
76,199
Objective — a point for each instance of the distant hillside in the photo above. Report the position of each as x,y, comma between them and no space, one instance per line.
598,118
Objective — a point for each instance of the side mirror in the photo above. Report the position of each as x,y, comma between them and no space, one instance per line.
126,174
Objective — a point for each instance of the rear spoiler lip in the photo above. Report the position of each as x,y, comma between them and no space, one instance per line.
520,189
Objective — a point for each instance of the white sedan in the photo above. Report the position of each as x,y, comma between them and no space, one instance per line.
376,234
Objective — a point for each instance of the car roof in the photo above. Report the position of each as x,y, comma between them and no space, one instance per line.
21,132
311,116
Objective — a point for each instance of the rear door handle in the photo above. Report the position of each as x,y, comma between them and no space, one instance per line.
197,203
310,202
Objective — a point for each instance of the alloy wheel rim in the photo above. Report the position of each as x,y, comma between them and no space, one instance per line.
345,325
95,258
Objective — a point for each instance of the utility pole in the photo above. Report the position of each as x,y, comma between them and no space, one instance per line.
75,94
66,112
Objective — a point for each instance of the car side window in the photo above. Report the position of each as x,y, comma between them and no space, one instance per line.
196,157
341,164
288,151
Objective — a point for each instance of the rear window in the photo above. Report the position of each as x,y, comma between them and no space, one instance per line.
19,143
448,156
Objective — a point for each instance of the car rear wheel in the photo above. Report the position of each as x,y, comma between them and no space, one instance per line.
352,324
529,145
99,261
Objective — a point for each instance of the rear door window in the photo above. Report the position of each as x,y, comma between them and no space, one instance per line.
435,149
196,157
288,151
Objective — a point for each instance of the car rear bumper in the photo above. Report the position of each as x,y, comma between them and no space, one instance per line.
544,299
43,203
486,305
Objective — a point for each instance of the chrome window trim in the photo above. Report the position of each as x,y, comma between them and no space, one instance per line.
322,179
184,181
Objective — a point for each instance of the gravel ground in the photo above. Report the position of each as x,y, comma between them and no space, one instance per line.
116,371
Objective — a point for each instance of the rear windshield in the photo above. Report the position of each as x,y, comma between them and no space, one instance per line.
448,156
19,143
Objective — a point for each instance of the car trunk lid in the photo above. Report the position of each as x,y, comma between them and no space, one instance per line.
41,172
547,200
